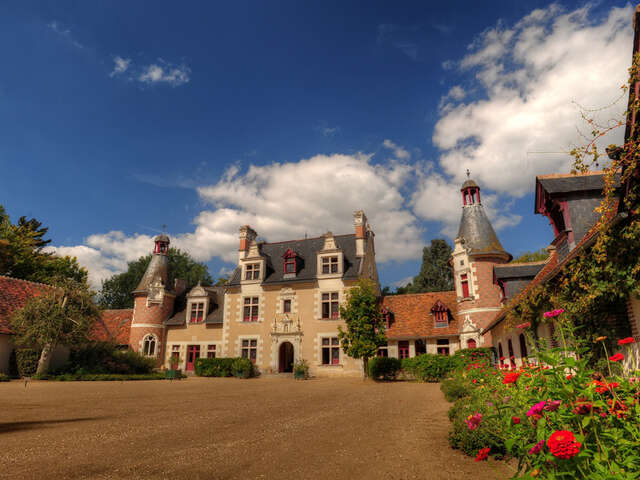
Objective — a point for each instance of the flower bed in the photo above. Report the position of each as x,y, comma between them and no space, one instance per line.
559,420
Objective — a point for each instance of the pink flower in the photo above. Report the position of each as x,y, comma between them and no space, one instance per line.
537,448
552,405
473,421
536,409
524,325
553,313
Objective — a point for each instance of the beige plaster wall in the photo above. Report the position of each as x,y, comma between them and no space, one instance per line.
192,334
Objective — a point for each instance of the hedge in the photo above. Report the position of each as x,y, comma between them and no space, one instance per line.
214,367
27,360
101,377
242,368
384,368
105,358
429,367
4,377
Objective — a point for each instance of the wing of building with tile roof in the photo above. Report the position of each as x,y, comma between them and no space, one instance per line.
113,326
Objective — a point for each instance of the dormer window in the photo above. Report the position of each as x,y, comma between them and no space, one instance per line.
290,262
330,265
440,315
197,312
252,271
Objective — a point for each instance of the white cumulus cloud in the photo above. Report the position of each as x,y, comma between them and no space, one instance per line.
164,72
120,65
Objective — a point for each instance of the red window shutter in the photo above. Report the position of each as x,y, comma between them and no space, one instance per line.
465,286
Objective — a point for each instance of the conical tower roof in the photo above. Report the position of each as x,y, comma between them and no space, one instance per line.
475,228
158,269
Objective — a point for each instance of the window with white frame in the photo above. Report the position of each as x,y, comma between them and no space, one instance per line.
330,351
252,271
330,264
251,308
383,351
330,305
211,351
197,312
175,351
249,349
149,346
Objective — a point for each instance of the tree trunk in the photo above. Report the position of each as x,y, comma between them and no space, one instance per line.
45,360
365,366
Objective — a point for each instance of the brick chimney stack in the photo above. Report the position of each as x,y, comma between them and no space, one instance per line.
247,235
360,222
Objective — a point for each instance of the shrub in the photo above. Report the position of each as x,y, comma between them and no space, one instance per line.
454,388
301,370
428,367
468,356
384,368
242,368
105,358
100,377
4,377
27,360
214,367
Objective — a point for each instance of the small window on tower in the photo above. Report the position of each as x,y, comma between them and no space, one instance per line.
286,306
464,284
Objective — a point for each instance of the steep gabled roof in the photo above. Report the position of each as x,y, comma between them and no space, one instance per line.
14,294
411,315
479,236
215,310
113,326
306,253
518,270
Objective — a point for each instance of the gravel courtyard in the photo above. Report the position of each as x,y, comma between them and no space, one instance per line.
223,428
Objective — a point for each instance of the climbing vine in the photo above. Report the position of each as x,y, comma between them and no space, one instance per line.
596,283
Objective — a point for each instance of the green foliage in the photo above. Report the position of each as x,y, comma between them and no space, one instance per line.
454,388
428,367
301,370
536,256
116,291
104,358
4,377
101,377
435,272
22,255
27,360
471,441
365,325
214,367
62,315
242,368
384,368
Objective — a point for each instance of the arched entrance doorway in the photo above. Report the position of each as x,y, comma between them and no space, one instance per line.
285,363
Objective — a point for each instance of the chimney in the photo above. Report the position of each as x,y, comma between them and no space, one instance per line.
360,222
247,235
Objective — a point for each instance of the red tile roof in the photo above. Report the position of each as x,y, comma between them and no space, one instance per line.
412,314
14,294
113,326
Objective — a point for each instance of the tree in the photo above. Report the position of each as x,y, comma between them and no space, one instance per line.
64,315
435,273
22,255
536,256
365,326
116,291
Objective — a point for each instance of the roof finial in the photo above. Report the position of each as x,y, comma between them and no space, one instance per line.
468,173
164,227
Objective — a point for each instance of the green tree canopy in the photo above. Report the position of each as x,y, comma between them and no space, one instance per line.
64,315
435,273
116,291
365,325
22,255
536,256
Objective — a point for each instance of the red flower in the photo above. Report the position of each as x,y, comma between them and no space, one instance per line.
562,444
524,325
604,386
618,357
569,377
553,313
482,454
627,340
515,420
511,377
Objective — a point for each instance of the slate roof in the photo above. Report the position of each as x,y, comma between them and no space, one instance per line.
158,267
411,315
215,311
306,251
479,235
14,294
567,182
113,326
518,270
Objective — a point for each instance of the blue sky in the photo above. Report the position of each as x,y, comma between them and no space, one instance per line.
120,117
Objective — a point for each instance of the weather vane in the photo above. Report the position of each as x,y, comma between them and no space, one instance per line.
164,227
468,173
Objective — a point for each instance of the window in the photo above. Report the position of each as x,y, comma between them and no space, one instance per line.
250,309
289,261
286,306
512,359
149,346
330,265
523,346
442,346
250,349
464,282
252,271
383,351
211,351
471,343
197,312
441,318
330,351
330,305
500,355
175,351
403,349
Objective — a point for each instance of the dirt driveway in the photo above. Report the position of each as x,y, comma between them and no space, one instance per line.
273,428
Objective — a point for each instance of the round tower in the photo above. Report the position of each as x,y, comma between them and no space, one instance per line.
153,304
476,250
